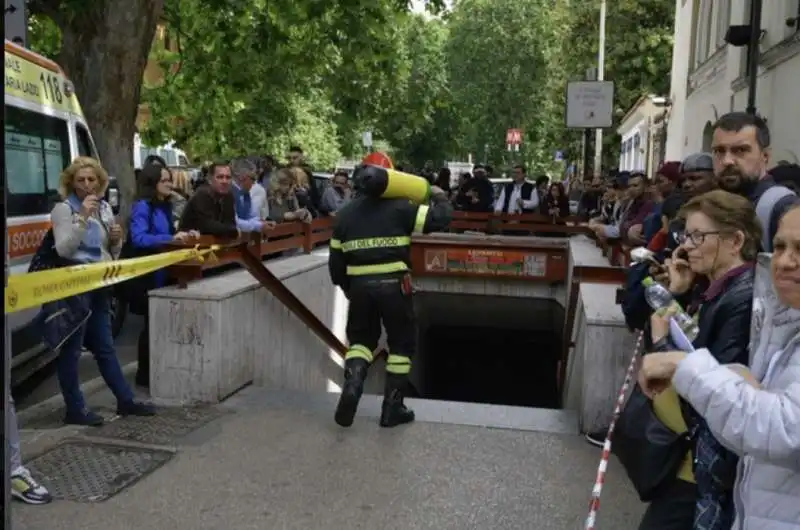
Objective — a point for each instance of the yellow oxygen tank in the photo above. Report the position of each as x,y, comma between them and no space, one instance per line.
375,179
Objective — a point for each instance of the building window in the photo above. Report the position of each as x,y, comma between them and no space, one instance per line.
711,22
793,11
723,21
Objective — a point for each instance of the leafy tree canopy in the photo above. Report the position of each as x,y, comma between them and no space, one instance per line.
254,76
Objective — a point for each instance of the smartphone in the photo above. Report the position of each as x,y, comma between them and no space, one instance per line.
682,254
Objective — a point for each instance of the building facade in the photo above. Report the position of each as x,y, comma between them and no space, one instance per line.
710,76
642,131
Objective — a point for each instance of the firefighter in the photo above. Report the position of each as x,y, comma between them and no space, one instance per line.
370,261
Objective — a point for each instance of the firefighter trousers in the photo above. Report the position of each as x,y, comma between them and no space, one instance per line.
387,301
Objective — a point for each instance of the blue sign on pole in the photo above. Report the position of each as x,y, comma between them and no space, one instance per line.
559,156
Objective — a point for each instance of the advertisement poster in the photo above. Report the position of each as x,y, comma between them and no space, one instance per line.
488,262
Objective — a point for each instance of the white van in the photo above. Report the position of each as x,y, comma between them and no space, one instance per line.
44,131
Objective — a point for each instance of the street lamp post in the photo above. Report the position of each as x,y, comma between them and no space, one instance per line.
601,69
754,53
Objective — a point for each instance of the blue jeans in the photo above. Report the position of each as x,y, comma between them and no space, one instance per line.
97,337
13,437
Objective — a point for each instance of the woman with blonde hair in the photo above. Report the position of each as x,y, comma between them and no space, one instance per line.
283,202
85,231
304,190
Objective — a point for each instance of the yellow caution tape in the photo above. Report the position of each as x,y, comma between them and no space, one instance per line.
33,289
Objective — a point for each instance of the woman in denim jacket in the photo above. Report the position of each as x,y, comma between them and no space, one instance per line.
85,231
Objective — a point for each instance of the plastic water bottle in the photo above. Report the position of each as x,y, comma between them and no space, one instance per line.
659,297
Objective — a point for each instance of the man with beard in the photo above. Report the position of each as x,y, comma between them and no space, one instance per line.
741,149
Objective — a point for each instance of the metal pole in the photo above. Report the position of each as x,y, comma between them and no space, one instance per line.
6,368
601,69
753,54
587,159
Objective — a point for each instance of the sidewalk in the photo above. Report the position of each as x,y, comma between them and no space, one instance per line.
265,462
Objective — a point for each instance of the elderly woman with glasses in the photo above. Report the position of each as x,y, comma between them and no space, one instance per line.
713,268
755,412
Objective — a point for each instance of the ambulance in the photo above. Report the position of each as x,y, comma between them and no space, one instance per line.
44,131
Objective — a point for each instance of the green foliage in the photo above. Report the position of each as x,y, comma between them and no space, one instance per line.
639,37
254,76
44,36
416,117
500,58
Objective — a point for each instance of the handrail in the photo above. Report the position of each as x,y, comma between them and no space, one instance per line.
247,252
265,277
285,236
531,223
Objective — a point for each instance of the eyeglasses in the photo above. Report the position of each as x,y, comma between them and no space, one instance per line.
697,237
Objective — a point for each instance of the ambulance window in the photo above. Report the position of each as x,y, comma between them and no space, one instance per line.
85,147
36,151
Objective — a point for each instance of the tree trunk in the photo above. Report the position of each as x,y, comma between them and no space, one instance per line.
105,46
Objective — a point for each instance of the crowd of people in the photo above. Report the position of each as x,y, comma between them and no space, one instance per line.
711,437
704,219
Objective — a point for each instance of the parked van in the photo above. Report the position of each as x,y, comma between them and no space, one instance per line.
44,131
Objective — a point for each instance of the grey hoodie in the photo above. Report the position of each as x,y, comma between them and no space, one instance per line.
760,425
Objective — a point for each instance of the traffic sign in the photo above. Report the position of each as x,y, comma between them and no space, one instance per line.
16,25
590,104
366,139
514,136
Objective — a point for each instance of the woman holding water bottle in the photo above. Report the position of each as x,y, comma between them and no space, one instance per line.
714,266
85,231
755,411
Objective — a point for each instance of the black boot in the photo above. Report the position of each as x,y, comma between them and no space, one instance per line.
393,411
355,372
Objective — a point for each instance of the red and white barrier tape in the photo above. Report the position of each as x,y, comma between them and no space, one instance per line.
594,502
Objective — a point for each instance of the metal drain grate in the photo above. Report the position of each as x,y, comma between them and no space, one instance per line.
167,427
87,472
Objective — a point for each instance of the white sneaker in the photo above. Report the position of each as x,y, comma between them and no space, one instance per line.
25,488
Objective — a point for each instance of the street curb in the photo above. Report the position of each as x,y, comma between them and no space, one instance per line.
56,402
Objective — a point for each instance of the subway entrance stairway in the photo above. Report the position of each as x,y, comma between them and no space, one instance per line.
257,448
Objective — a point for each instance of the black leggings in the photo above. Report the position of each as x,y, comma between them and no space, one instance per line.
673,509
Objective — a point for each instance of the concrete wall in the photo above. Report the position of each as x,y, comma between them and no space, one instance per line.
223,333
603,346
598,362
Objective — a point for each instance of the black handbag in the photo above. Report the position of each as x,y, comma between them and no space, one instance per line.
46,256
650,452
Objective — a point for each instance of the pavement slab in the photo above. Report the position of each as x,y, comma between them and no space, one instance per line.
268,466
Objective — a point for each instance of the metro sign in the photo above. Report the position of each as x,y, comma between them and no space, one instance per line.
514,136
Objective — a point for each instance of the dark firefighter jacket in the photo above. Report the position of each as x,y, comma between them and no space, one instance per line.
373,236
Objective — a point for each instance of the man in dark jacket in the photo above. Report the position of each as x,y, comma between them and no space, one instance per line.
212,210
477,193
741,151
